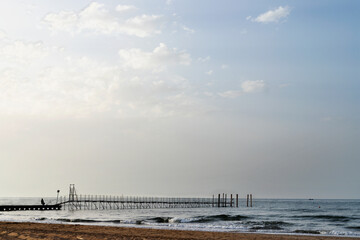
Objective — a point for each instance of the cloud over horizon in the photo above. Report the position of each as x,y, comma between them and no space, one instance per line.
272,15
157,60
99,20
39,80
253,86
246,88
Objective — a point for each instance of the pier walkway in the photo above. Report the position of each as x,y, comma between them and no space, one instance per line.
95,202
30,207
88,202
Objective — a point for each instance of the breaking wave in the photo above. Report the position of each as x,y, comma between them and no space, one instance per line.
199,219
333,218
307,231
268,225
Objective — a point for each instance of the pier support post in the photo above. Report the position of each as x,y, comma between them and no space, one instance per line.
237,200
250,200
247,200
218,200
231,200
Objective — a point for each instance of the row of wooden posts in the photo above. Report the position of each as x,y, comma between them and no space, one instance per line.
223,201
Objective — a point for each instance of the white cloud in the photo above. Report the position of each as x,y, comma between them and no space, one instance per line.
224,66
253,86
2,34
189,30
205,59
246,87
75,88
64,21
157,60
210,72
52,83
211,83
20,52
208,94
272,15
142,26
124,8
230,94
97,19
179,26
83,87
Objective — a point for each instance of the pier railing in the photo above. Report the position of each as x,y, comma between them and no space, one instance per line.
75,201
94,202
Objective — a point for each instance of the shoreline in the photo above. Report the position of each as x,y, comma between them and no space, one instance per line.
31,231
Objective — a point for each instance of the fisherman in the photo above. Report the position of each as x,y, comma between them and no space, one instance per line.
42,202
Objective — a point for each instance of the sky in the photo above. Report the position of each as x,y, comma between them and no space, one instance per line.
180,98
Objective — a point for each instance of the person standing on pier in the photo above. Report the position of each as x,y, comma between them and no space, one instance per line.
42,202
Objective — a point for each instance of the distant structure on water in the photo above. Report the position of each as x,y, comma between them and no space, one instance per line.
94,202
75,201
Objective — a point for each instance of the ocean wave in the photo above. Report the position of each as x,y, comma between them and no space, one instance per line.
304,210
160,219
77,220
354,227
182,220
268,225
225,217
198,219
333,218
307,231
114,221
81,220
137,222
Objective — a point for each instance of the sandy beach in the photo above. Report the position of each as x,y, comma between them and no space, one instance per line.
32,231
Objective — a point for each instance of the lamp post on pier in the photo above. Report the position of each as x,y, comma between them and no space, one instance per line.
57,197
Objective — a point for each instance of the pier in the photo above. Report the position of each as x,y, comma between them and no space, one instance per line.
103,202
75,202
30,207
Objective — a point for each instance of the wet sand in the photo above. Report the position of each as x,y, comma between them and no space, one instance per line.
32,231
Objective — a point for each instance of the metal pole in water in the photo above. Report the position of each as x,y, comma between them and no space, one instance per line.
57,196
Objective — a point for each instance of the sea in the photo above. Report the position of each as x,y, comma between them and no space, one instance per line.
272,216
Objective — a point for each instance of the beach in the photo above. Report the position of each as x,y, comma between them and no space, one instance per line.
32,231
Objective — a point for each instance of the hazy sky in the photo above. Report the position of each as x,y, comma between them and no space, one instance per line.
180,97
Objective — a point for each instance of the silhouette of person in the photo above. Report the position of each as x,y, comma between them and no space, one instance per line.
42,202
